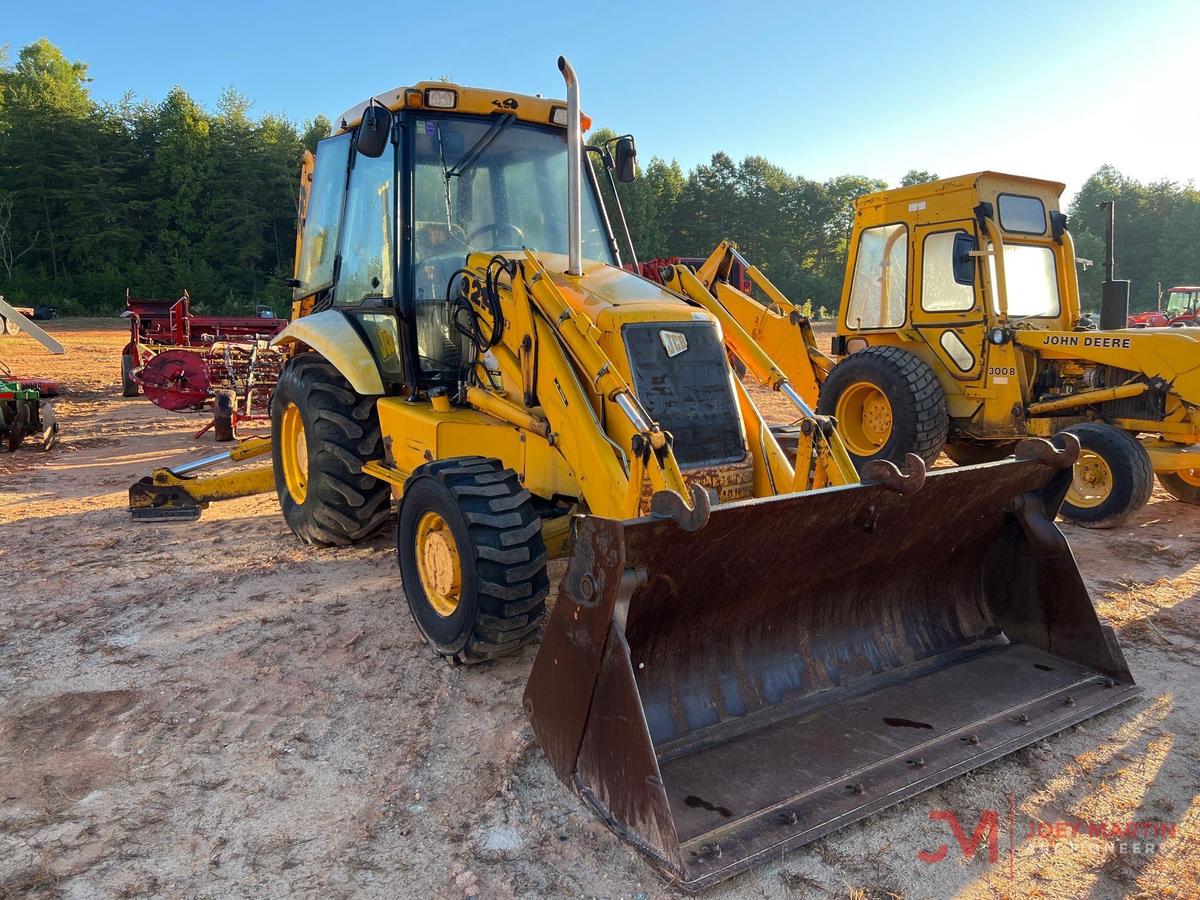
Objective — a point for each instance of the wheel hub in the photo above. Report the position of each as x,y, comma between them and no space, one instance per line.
865,418
293,446
439,564
1092,481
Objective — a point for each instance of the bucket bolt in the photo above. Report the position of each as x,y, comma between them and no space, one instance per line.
918,763
856,788
972,739
1069,701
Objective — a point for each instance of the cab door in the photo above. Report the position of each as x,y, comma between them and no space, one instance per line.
949,315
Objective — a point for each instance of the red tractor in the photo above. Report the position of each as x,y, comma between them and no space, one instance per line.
1181,307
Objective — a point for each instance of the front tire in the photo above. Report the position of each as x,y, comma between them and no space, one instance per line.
323,432
469,545
1112,478
1183,485
888,403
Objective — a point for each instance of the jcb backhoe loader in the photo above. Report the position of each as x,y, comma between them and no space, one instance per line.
736,663
960,330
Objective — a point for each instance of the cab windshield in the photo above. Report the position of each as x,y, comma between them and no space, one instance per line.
491,185
1181,301
1031,279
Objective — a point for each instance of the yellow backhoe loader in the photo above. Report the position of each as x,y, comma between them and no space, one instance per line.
960,330
744,654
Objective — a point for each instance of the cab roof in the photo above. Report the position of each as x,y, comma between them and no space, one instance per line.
469,100
969,182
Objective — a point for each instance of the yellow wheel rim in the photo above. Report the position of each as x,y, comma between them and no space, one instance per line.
864,418
438,564
1092,481
293,453
1189,476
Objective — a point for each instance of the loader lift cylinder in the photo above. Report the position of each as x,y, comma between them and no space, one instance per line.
1114,295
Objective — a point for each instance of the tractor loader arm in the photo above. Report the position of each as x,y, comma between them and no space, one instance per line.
562,365
821,457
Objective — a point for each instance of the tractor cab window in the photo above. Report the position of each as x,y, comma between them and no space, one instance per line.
939,291
1179,302
878,291
485,185
323,219
366,268
1031,280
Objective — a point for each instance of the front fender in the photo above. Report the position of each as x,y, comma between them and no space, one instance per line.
330,334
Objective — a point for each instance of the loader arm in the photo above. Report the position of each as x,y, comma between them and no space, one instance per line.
821,457
561,364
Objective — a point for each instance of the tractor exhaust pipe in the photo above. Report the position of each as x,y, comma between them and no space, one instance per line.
574,171
1114,295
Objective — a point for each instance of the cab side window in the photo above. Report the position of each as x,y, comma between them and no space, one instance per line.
366,268
878,292
939,291
322,223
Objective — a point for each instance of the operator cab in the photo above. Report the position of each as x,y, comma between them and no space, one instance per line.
384,249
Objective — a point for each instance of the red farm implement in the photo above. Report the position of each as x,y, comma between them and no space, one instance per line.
184,361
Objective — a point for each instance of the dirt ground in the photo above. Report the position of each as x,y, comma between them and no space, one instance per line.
214,709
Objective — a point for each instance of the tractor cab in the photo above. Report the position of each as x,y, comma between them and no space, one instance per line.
416,181
924,262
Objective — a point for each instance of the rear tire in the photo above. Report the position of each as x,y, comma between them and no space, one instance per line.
469,545
888,402
129,387
1183,485
1112,480
330,432
962,453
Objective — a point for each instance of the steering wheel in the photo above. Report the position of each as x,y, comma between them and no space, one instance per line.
498,226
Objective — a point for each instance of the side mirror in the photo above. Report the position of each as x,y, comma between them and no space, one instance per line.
626,159
964,262
374,131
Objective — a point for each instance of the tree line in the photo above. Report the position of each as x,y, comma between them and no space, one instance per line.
157,197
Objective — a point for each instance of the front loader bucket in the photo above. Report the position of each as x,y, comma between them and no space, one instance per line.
798,663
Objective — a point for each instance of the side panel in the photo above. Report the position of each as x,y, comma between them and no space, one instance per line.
415,434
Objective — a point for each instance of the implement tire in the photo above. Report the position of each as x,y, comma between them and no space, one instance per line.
129,387
1183,485
887,403
1112,480
322,434
469,545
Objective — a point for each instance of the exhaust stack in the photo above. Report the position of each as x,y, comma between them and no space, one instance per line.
574,171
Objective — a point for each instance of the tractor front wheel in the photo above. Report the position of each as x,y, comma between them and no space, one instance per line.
322,433
1182,485
887,402
1112,478
472,559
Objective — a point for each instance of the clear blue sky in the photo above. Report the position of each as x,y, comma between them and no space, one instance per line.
1052,89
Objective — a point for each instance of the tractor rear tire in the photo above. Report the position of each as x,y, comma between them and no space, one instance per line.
1183,486
887,402
1112,480
323,432
962,453
129,387
472,560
